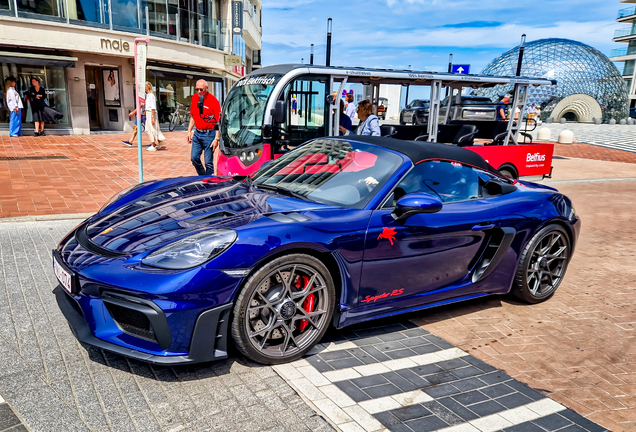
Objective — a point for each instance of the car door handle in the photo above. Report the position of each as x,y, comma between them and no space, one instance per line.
481,227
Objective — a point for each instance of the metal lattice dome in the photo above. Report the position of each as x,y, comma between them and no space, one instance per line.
588,83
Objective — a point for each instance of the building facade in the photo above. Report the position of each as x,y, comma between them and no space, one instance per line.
82,52
627,54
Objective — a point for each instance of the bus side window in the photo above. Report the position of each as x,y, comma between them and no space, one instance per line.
305,100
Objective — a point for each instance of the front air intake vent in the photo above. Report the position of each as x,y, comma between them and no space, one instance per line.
288,217
132,322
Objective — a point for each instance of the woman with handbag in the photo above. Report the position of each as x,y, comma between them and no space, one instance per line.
37,95
152,120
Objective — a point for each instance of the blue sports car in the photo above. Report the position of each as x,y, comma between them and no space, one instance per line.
336,232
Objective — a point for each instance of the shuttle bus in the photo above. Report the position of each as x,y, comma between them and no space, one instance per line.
276,108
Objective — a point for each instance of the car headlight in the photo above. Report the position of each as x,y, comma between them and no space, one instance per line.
191,251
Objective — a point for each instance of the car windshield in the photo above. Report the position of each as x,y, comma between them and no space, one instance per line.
244,110
330,171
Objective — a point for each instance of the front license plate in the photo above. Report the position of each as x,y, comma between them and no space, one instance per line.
63,276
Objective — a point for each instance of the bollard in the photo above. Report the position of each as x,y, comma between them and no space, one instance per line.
562,121
544,134
566,137
598,121
623,122
612,121
630,121
549,120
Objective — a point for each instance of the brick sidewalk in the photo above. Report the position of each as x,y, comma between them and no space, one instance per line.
88,170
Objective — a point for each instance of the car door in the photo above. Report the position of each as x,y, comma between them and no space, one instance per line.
427,251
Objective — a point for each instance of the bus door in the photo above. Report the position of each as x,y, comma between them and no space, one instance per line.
305,98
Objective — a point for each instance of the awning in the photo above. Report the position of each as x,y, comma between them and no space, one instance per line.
37,59
164,72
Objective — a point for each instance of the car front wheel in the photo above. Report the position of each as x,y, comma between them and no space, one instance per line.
284,309
542,265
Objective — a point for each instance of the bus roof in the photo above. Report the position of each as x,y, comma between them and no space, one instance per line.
401,77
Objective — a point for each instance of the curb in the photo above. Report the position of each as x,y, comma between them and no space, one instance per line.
38,218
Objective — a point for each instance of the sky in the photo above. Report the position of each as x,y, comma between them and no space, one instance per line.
422,33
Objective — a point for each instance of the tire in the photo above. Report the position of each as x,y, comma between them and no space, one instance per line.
269,313
542,265
508,171
174,121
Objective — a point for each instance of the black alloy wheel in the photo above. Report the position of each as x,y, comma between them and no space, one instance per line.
284,309
542,265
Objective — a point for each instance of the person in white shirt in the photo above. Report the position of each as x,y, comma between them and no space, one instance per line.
152,120
14,104
351,108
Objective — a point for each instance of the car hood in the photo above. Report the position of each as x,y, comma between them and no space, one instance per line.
160,216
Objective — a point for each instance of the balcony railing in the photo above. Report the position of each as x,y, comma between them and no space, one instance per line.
154,18
624,32
626,12
619,52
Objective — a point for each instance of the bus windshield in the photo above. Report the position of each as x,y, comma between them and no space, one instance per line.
244,110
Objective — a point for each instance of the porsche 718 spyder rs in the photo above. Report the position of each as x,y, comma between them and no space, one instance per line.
336,232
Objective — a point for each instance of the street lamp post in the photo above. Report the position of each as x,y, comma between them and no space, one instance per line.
311,55
329,24
450,63
521,49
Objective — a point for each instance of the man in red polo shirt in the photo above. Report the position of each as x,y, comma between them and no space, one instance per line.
203,130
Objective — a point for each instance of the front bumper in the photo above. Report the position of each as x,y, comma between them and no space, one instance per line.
208,342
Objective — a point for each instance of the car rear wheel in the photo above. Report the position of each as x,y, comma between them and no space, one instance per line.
542,265
284,309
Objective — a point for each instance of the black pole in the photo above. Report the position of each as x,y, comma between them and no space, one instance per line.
329,23
450,63
311,55
521,49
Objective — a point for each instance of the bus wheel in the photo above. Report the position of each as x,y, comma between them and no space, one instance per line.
508,171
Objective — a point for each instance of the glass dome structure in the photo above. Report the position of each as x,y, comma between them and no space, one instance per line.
588,84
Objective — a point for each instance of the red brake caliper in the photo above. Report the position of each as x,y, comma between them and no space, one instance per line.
309,302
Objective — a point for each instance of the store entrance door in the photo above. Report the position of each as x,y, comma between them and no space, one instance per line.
92,96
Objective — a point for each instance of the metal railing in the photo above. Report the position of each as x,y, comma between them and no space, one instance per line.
626,12
624,32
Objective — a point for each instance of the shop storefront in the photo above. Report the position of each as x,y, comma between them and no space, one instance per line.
52,77
173,86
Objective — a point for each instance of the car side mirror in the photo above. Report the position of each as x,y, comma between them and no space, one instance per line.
416,203
280,112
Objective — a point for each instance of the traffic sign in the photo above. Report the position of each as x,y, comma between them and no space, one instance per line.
460,69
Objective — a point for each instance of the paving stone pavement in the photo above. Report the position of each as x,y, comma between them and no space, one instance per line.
400,377
52,383
619,137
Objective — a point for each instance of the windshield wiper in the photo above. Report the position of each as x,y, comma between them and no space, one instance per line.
281,191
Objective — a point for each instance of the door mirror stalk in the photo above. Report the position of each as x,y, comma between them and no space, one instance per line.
416,203
279,113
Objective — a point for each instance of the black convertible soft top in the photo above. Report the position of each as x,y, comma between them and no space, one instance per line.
422,150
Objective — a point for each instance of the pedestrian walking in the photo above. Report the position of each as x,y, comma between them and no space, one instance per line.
37,96
351,107
532,110
294,105
152,120
14,104
203,130
537,115
133,117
